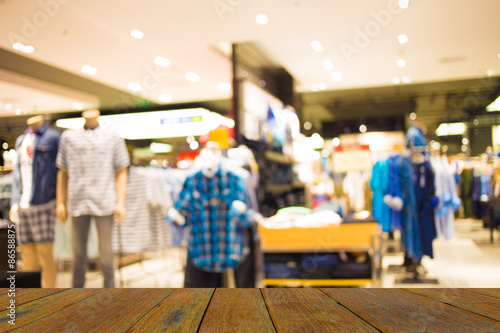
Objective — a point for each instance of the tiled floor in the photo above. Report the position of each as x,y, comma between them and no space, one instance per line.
468,260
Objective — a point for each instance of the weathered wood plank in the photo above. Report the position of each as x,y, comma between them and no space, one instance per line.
45,306
181,311
310,310
477,303
237,310
23,296
485,291
396,310
117,309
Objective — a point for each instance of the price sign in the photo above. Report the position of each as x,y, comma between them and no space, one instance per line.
352,158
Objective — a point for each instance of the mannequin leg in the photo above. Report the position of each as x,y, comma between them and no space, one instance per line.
79,237
45,252
29,257
104,226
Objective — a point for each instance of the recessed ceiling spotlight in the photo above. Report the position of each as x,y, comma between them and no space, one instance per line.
194,145
192,77
162,62
307,125
137,34
336,141
18,111
337,76
314,87
490,72
23,48
328,65
404,3
262,19
402,39
224,86
317,46
134,86
362,128
77,106
165,98
322,86
396,80
401,63
8,107
87,69
413,116
406,79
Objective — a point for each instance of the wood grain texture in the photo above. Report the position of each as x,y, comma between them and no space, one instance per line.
396,310
23,296
486,291
181,311
477,303
111,310
45,306
237,310
310,310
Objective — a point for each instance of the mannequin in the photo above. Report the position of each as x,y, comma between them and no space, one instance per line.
33,198
92,182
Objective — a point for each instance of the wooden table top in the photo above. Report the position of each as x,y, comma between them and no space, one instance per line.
252,310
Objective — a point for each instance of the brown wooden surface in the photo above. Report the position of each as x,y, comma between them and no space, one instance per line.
254,310
485,291
181,311
309,310
397,310
477,303
237,310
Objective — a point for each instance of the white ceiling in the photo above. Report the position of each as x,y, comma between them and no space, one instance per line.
448,40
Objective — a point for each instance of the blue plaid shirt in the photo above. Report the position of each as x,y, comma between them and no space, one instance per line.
216,228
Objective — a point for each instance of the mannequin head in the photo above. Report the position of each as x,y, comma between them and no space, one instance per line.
91,118
35,122
420,125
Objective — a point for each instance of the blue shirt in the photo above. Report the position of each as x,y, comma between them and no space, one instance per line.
44,167
215,227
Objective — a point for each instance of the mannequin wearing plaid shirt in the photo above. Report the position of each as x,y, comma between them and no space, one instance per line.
212,205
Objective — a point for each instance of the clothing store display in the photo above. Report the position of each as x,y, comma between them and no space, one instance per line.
91,157
379,184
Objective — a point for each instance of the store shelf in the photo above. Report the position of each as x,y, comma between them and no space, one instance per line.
278,188
294,283
278,158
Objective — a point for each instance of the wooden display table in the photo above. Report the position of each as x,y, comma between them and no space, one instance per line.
346,237
253,310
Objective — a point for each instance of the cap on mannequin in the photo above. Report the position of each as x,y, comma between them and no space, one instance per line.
35,122
91,117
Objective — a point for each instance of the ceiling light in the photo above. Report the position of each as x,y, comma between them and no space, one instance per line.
262,19
192,77
77,106
314,87
396,80
402,39
328,65
490,72
8,107
404,3
401,63
225,86
413,116
87,69
165,98
159,148
23,48
18,111
317,46
499,56
162,62
316,141
5,145
322,86
307,125
336,142
446,129
406,79
134,86
494,106
194,145
337,76
137,34
465,141
190,139
362,128
464,148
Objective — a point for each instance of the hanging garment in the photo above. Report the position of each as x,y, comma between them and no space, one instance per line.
394,199
423,177
380,186
410,226
465,184
216,226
